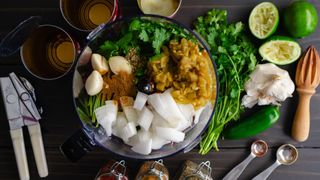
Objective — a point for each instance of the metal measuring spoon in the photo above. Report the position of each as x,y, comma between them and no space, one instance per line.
258,149
287,154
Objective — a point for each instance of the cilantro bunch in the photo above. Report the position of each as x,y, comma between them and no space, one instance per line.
157,33
145,34
235,58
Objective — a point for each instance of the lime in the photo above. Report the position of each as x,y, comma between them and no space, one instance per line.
264,20
300,19
280,50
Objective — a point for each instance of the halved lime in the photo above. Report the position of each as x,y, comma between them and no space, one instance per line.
280,50
264,20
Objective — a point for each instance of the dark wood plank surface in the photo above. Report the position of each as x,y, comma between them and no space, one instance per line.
60,119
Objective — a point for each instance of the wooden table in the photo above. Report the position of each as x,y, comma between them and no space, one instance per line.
60,119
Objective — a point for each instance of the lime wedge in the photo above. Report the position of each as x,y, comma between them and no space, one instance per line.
264,20
280,50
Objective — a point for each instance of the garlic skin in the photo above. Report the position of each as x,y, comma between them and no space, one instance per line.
119,64
268,84
94,83
99,63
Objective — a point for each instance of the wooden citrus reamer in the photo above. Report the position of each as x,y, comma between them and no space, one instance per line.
307,79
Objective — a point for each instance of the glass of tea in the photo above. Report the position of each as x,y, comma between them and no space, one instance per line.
86,15
49,52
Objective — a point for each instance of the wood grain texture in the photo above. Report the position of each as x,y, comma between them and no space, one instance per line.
60,119
306,167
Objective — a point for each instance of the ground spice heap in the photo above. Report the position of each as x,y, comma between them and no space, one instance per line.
116,86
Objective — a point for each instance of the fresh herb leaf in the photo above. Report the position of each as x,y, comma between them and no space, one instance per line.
108,48
160,37
144,36
125,43
235,58
144,32
134,25
108,45
156,33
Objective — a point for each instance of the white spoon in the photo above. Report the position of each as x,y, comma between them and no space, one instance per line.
258,149
287,154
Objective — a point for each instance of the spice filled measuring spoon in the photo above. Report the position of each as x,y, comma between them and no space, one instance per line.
258,149
287,154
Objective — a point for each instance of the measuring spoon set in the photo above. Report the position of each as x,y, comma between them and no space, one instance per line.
287,154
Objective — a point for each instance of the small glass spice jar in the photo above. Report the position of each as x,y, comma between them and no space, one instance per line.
113,170
153,170
194,171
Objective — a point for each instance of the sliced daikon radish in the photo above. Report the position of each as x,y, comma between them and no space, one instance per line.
160,107
183,125
131,114
143,147
120,123
187,111
197,114
112,109
128,131
172,107
133,140
158,142
106,115
170,134
140,101
145,118
101,115
142,135
127,107
158,121
155,101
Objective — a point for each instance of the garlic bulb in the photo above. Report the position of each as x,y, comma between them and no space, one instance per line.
119,64
99,63
268,84
94,83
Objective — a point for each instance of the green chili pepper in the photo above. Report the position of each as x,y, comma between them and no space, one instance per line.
258,122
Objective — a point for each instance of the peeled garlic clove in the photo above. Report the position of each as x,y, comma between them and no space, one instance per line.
99,63
119,64
94,83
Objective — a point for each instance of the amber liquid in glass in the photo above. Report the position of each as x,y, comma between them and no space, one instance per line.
87,14
48,53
